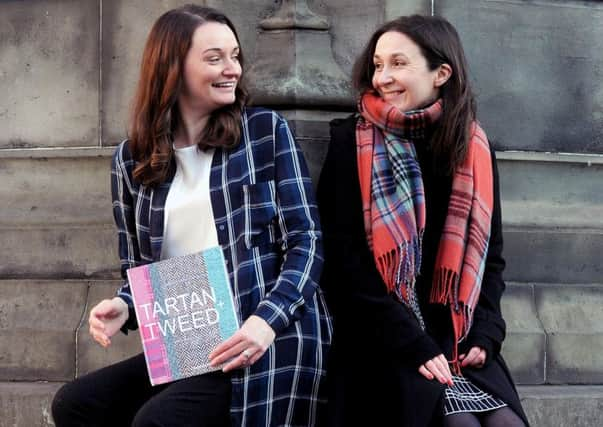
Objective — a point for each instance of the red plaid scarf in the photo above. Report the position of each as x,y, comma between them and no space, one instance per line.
394,218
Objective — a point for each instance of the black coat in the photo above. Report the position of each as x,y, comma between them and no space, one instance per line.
378,344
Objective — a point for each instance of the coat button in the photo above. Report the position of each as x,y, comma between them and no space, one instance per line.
222,227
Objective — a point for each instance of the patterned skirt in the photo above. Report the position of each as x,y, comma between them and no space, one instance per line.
464,396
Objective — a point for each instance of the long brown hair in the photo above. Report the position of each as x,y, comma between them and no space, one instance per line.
440,44
155,108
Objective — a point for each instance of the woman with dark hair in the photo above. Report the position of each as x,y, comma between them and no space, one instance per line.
201,169
410,208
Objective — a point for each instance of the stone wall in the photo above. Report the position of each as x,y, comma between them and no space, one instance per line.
67,74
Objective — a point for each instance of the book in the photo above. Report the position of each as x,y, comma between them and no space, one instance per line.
185,308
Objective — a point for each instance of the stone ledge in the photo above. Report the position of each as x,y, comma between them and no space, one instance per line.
548,157
28,404
24,404
563,406
38,319
551,255
61,251
56,152
525,345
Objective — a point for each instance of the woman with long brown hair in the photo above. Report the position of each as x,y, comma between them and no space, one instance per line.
200,170
410,209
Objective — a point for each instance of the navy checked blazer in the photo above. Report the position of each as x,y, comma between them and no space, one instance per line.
268,227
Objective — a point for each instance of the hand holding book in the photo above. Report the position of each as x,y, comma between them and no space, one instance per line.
245,347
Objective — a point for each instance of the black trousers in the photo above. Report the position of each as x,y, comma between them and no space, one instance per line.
122,395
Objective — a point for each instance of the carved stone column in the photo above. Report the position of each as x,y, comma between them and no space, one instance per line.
294,65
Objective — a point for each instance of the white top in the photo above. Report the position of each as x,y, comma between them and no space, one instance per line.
189,225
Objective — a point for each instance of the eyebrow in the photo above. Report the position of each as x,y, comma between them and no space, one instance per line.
217,49
393,54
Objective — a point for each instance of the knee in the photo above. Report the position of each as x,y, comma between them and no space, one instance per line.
148,416
62,405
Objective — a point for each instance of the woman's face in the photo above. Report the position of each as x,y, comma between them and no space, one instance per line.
402,76
211,68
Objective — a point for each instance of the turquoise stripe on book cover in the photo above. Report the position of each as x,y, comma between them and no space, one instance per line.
216,272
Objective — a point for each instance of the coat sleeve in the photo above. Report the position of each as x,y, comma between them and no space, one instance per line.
488,328
123,215
299,224
355,292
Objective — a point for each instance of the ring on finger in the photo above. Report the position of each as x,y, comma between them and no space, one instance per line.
246,353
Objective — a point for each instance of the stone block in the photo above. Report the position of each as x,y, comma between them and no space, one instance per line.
60,251
524,346
311,130
69,190
305,74
571,309
522,51
26,404
553,255
352,23
92,356
562,406
573,319
524,354
574,358
49,76
37,324
551,190
395,8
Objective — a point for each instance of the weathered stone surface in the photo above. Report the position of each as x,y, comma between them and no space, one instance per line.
61,251
395,8
537,70
573,319
352,22
69,190
524,346
551,190
26,404
563,406
552,255
577,308
37,324
126,24
92,356
49,62
574,358
306,74
311,130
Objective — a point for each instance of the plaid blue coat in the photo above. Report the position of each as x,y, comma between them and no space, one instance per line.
268,227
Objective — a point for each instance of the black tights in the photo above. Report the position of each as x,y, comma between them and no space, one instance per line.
503,417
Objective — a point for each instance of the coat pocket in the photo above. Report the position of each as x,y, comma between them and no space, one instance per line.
259,206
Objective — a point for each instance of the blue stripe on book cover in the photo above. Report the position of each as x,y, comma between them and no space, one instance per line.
168,338
216,272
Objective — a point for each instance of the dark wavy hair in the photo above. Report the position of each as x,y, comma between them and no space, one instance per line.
155,106
440,44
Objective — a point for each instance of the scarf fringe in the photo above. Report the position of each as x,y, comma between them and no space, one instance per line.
399,268
445,287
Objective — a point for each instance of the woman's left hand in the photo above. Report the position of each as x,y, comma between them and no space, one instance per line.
476,357
246,346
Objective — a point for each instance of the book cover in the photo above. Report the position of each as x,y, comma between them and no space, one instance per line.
184,307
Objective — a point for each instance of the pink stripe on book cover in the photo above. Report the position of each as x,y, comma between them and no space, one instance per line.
152,341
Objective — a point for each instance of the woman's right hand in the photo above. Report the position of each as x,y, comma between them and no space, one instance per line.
106,318
437,368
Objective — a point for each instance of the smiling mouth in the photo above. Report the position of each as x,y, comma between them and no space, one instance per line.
225,85
393,93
